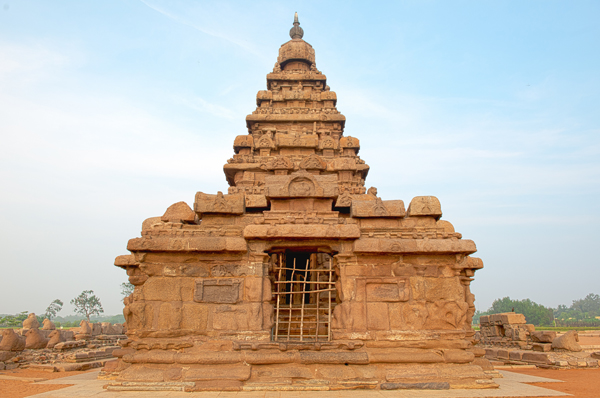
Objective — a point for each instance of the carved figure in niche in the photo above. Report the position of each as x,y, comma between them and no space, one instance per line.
470,299
372,191
446,315
345,200
379,208
415,315
297,139
220,204
328,143
301,187
265,142
312,162
134,313
282,162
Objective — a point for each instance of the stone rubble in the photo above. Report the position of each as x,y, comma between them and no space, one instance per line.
508,339
54,349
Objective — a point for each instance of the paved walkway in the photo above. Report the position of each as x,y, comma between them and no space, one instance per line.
87,385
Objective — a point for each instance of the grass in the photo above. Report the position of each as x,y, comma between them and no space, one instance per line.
558,328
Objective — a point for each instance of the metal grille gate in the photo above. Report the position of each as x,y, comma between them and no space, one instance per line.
305,295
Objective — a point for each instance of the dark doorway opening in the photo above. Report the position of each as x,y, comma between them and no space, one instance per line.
304,295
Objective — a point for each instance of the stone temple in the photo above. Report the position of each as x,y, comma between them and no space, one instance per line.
298,277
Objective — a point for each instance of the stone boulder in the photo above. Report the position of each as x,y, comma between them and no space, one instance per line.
568,342
48,325
67,335
118,328
5,356
31,322
35,340
96,329
11,341
55,338
543,336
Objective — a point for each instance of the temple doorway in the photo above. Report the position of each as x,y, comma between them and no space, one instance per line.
304,295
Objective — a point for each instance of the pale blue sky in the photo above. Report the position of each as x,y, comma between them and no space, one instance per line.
111,111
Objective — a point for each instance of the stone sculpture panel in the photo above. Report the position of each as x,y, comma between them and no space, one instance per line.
221,291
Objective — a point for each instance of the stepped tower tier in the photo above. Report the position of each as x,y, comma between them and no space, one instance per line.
296,126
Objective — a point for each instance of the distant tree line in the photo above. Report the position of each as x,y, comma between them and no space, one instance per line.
86,304
583,312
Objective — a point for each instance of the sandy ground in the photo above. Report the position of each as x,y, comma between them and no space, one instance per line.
582,383
21,388
584,340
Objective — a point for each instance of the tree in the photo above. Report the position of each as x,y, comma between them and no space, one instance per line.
53,309
535,313
582,312
126,289
590,305
14,320
87,304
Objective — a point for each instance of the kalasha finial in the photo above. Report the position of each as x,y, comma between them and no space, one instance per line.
296,32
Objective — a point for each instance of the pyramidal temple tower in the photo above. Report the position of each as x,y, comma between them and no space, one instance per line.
299,278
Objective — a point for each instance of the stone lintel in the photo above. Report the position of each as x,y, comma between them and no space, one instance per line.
294,77
219,203
256,201
193,244
439,246
125,260
265,357
378,208
305,231
302,184
294,117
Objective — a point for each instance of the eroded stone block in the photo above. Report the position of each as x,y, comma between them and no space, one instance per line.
222,291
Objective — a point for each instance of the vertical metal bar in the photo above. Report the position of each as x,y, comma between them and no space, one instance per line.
329,302
278,298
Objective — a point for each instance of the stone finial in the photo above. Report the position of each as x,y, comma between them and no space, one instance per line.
296,32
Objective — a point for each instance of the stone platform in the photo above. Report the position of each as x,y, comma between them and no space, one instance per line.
510,385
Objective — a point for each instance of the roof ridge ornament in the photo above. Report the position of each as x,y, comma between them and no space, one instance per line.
296,32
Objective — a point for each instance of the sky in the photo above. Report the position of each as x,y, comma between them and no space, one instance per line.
112,111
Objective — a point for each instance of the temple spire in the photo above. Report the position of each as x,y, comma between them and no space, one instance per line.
296,32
